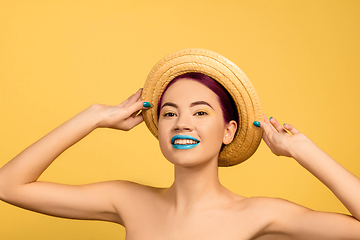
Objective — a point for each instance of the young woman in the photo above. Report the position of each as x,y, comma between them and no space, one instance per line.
193,128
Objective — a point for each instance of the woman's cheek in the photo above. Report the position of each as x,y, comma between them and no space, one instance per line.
212,134
164,141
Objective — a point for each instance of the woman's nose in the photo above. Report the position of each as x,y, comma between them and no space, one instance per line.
184,123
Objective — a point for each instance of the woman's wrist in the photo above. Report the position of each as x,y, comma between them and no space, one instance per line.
95,115
300,147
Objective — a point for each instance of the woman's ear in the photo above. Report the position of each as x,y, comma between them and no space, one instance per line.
229,132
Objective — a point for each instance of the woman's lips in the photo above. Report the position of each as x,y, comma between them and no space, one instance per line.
184,142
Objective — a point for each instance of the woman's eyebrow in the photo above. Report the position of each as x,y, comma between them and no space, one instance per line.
191,105
169,104
201,103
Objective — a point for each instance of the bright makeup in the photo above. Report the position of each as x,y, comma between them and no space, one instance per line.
184,142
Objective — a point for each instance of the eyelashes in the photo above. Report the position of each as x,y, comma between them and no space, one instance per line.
201,113
168,114
197,113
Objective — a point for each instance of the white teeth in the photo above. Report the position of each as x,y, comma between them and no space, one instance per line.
184,142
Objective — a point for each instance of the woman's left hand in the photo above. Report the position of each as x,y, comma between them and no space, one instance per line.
281,139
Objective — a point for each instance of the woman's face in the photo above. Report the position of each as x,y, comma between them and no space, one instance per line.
191,124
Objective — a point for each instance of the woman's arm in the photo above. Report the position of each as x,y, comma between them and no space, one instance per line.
340,181
18,178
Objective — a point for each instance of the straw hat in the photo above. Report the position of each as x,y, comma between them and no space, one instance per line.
248,137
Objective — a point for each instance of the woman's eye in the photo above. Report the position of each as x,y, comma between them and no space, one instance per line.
169,114
201,113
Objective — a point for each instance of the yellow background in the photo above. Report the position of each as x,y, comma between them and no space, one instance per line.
58,57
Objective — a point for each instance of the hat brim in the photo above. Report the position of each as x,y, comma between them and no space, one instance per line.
248,137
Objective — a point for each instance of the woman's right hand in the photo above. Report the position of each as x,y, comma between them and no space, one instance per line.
18,178
124,116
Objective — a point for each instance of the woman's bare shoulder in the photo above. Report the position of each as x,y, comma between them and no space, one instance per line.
270,208
130,198
263,203
133,186
134,192
286,218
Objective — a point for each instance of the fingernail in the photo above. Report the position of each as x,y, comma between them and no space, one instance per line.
284,124
270,118
146,104
256,124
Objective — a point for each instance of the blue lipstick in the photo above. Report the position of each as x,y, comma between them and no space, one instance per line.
183,146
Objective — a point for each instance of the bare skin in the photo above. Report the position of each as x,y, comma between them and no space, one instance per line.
196,206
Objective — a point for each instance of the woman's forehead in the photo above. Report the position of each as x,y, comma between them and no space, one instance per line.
188,89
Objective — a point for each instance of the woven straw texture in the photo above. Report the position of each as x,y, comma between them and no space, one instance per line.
248,137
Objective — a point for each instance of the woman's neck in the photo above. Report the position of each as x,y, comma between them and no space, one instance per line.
195,186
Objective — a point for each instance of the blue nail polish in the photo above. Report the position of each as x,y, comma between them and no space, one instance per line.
270,118
284,124
256,124
146,104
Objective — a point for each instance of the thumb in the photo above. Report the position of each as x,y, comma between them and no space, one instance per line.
139,105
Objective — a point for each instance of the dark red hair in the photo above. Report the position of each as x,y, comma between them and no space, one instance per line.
227,104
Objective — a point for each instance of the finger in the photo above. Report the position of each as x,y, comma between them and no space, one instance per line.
134,121
134,109
267,127
268,131
135,114
266,140
266,119
135,97
291,129
277,125
123,103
